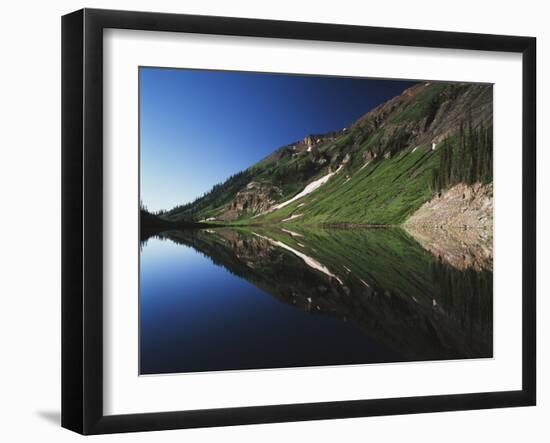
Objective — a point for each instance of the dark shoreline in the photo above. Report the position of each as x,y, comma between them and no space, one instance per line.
150,225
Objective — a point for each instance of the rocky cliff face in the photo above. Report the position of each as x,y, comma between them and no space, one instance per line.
253,199
405,121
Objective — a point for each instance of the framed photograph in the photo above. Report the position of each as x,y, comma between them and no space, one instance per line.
269,221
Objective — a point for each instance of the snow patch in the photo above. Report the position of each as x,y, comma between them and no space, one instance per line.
292,217
364,166
412,152
309,149
315,184
433,146
311,262
292,233
365,283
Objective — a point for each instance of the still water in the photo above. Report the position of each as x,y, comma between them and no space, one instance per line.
226,299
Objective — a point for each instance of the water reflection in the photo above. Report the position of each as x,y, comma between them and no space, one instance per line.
261,298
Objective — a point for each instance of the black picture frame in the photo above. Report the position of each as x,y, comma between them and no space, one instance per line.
82,218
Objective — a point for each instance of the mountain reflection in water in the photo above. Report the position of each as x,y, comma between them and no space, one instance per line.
221,299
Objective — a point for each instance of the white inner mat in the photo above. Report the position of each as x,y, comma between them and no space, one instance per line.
126,392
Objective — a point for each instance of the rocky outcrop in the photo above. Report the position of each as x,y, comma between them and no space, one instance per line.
403,122
253,199
462,206
311,143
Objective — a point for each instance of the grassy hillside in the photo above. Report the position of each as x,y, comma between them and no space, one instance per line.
384,192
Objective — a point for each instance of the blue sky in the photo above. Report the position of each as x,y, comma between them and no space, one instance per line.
198,127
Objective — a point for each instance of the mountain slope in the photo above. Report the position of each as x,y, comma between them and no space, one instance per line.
379,170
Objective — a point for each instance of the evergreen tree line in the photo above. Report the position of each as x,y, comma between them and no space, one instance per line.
218,195
467,158
145,210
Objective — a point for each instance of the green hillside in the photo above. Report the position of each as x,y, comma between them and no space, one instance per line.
384,192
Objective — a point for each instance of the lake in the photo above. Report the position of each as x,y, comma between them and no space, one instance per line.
253,298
